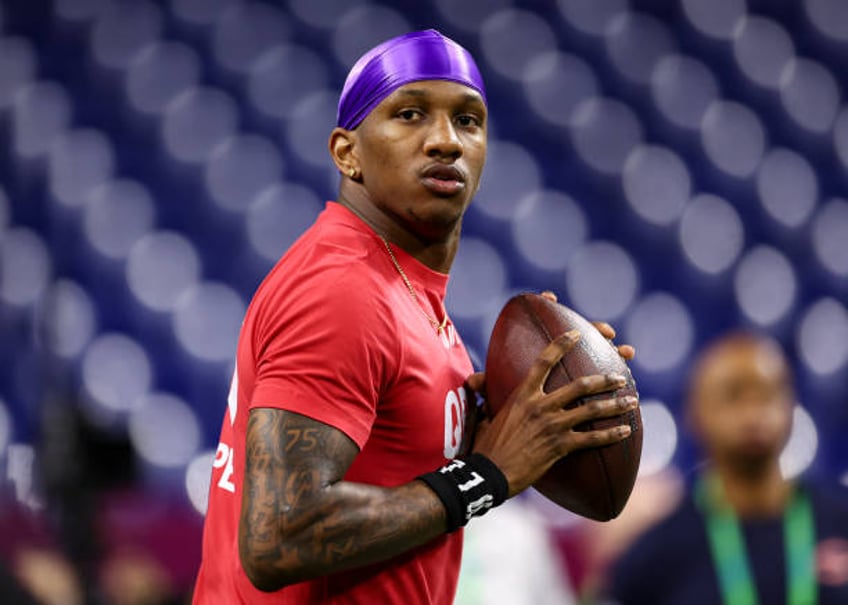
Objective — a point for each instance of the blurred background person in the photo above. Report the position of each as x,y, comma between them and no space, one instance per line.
591,547
744,534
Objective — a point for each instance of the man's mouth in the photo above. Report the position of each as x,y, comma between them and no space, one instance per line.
443,179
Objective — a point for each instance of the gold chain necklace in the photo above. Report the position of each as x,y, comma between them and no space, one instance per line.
439,326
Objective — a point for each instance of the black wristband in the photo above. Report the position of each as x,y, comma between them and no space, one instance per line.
468,488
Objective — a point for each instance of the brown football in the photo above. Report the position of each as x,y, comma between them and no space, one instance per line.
594,482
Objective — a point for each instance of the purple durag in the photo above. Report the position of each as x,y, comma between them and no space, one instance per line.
422,55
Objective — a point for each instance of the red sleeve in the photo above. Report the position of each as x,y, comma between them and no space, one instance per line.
323,351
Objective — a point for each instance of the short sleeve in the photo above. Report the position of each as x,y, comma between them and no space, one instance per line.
324,350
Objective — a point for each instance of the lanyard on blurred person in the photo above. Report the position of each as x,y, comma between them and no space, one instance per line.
727,547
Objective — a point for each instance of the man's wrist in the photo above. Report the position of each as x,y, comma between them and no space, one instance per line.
468,487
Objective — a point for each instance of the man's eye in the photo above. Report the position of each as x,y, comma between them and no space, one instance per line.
466,121
408,114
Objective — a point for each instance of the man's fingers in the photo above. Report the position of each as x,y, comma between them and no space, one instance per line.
476,382
548,358
606,330
579,440
628,352
602,408
584,386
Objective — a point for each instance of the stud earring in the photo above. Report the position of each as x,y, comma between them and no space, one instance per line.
352,172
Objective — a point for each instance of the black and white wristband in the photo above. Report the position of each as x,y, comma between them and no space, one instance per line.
468,487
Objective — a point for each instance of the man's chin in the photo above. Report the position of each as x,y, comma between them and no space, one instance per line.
440,217
754,459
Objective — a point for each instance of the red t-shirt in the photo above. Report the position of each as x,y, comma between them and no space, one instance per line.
333,333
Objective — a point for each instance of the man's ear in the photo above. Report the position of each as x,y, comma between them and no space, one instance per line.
342,150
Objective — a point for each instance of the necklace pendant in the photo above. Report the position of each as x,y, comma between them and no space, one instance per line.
440,326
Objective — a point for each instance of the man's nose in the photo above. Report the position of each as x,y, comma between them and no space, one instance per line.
442,138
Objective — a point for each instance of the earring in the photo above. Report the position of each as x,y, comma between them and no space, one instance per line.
352,172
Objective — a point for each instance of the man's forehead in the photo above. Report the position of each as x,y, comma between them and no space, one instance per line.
437,88
751,358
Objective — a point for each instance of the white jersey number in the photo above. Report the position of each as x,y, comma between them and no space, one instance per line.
456,402
224,454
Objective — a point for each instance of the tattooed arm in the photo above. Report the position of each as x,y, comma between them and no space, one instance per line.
299,520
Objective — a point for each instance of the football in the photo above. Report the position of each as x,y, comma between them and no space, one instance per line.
593,482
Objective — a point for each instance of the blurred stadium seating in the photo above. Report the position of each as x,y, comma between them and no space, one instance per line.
675,168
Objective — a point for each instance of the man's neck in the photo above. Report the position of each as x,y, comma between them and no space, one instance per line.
436,254
755,494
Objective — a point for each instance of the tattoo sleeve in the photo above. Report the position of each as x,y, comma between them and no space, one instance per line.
299,520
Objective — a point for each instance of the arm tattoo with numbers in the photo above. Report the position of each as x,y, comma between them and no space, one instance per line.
299,520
